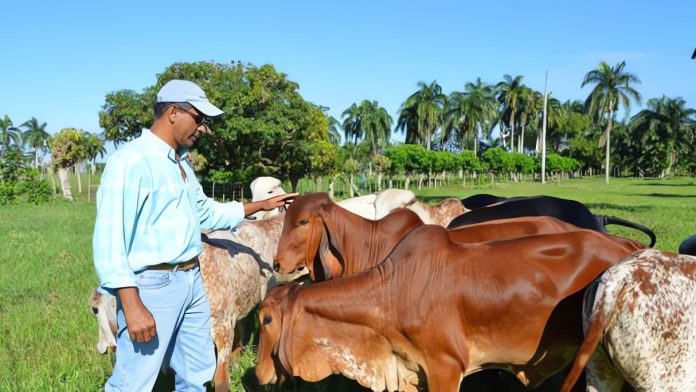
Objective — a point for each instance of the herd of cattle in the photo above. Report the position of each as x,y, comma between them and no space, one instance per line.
405,296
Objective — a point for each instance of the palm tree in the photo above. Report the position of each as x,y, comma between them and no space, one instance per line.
36,137
468,113
334,126
352,127
613,86
509,92
531,103
672,122
9,134
423,109
368,121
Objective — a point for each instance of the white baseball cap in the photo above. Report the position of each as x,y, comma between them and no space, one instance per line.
186,91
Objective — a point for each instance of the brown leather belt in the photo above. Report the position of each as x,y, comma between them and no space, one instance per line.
184,266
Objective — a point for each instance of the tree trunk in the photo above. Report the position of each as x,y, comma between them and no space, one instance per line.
512,131
608,139
350,185
294,181
53,180
64,184
79,180
331,188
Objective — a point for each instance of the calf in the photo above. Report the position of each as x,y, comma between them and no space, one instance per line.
645,317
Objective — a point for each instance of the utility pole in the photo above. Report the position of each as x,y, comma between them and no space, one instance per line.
543,133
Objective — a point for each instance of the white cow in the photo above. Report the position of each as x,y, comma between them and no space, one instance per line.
644,316
378,205
263,188
361,205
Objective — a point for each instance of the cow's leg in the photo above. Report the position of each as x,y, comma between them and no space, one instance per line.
238,341
601,374
444,375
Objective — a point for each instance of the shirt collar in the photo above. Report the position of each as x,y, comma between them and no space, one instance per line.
160,145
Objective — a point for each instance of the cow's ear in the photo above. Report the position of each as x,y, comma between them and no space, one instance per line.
326,260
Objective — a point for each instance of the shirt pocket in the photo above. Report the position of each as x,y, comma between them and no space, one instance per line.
153,279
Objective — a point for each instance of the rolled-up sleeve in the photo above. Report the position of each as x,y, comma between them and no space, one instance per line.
120,198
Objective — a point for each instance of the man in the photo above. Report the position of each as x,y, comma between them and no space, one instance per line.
150,212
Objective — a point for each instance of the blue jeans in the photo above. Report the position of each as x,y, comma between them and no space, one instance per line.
178,302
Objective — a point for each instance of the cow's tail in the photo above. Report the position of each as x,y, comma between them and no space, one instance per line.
601,316
604,220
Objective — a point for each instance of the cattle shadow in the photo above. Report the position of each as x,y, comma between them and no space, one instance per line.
483,381
334,383
620,207
667,195
665,184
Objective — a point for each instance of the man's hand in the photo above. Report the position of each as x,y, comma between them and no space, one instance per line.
139,320
269,204
279,201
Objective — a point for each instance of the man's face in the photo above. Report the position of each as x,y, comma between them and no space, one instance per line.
190,125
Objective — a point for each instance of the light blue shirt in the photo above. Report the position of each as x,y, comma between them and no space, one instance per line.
148,214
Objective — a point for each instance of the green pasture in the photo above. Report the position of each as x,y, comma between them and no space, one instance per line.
48,334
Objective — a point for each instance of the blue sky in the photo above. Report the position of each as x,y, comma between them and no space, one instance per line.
59,59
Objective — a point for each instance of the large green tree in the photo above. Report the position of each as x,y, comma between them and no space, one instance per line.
613,86
36,137
124,114
267,128
421,114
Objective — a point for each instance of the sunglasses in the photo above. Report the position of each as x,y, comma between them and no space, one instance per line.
197,117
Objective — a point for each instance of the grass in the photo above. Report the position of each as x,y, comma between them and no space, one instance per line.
47,333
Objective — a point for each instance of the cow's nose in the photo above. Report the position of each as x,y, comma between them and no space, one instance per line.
276,266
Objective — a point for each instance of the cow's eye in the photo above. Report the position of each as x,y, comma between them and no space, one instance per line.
267,319
304,221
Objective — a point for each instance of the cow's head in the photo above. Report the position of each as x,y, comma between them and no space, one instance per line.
273,359
305,239
263,188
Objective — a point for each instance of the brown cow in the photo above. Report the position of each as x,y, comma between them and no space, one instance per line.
342,243
435,311
326,256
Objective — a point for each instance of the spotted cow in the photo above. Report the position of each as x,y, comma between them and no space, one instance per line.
643,326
